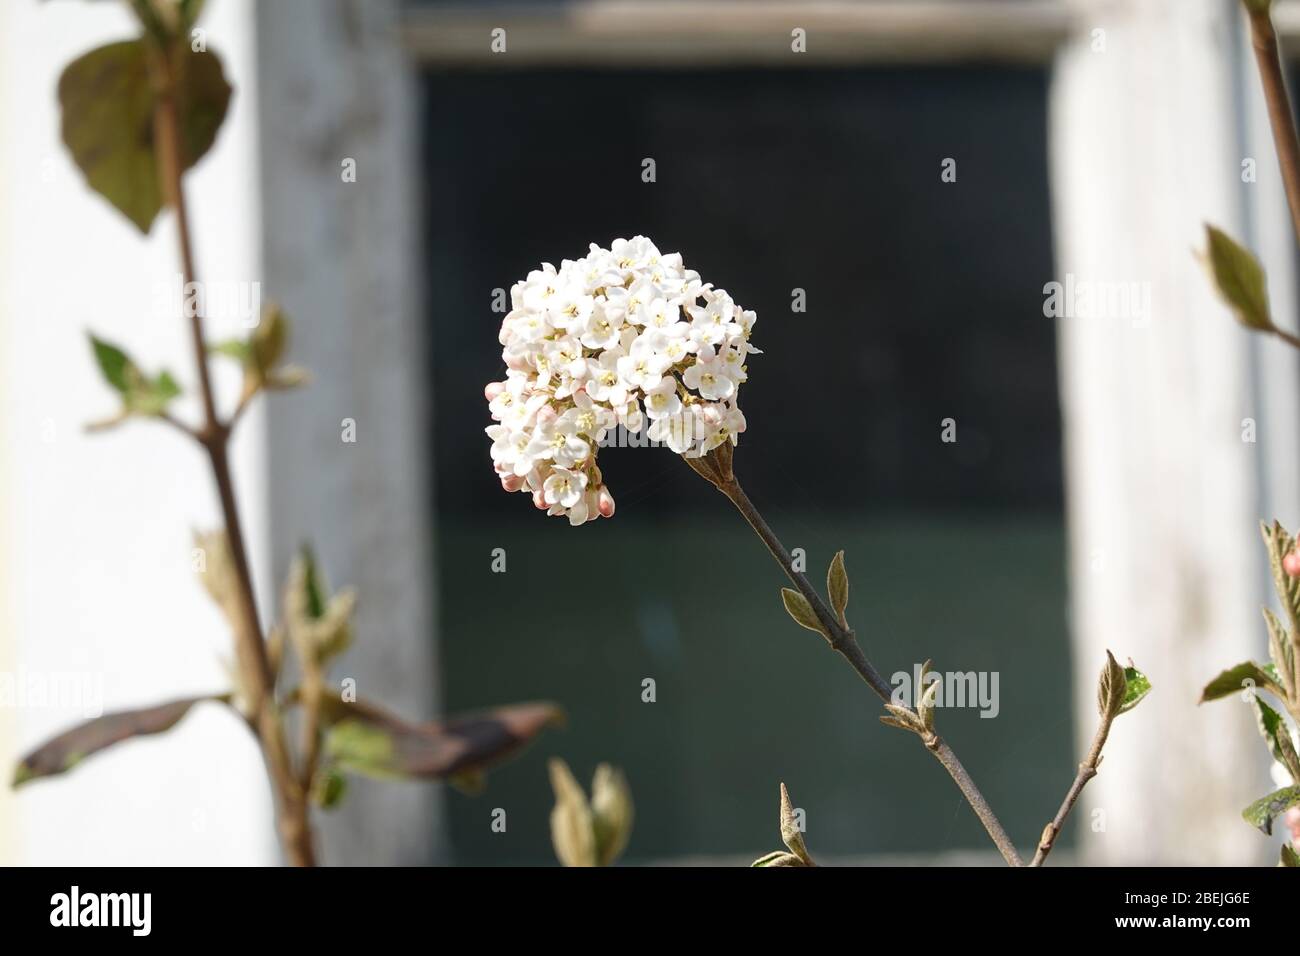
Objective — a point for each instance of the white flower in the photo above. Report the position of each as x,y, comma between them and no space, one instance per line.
564,487
644,368
630,416
513,409
662,401
601,332
559,440
676,431
635,254
525,328
588,418
733,362
713,324
605,384
511,449
539,290
709,377
729,423
658,314
608,340
571,309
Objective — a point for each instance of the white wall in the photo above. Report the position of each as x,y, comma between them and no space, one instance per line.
1164,497
344,259
94,530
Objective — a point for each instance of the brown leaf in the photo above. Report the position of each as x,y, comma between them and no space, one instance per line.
69,748
107,100
791,835
367,739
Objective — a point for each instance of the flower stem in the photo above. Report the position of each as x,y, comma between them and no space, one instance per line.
945,755
1087,770
1263,39
214,435
841,638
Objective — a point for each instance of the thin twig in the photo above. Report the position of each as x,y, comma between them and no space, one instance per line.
1268,58
842,640
1286,337
245,400
179,425
939,747
214,436
1087,770
312,692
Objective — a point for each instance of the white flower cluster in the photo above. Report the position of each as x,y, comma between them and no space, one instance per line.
616,338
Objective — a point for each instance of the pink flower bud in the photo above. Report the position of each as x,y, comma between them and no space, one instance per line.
605,502
1291,564
493,389
539,500
512,482
546,414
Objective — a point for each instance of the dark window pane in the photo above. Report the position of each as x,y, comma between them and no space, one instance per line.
924,303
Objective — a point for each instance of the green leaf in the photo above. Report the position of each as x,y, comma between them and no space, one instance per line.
260,354
1235,679
113,363
1260,814
328,788
1136,686
1240,280
319,623
797,606
237,349
1279,648
1289,857
1273,728
141,395
837,585
148,13
151,396
367,740
1279,544
313,597
107,99
270,338
62,753
363,748
166,19
190,11
1270,725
